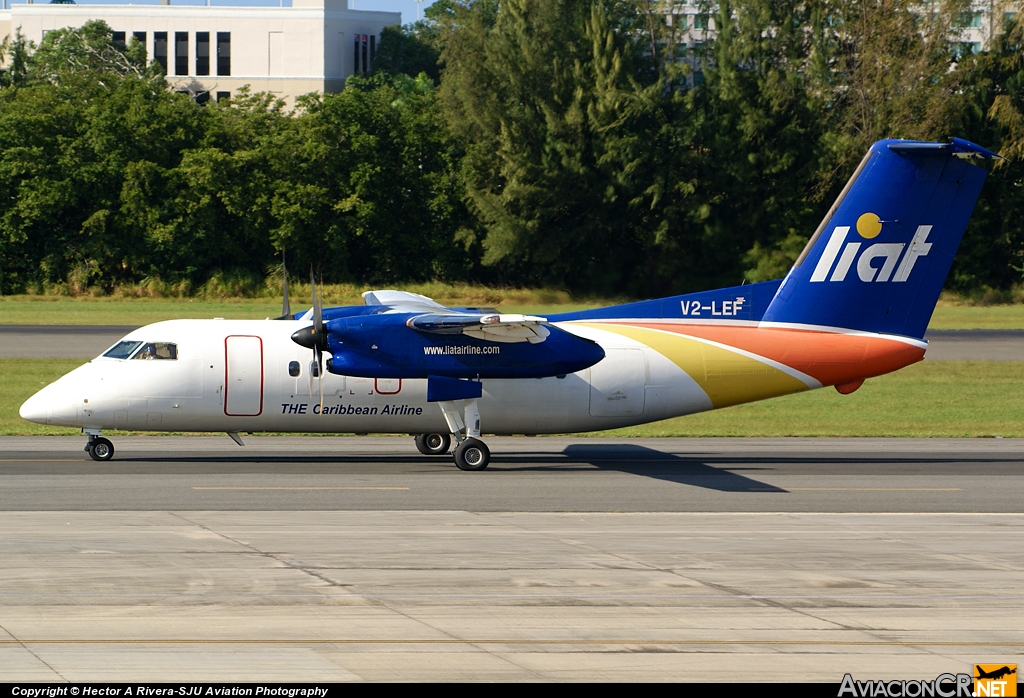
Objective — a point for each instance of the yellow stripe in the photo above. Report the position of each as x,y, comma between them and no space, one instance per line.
728,378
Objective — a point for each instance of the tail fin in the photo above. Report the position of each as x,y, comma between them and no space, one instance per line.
880,257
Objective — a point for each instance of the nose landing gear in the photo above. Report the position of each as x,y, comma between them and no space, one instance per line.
99,448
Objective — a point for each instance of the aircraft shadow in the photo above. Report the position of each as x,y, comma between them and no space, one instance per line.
648,462
713,471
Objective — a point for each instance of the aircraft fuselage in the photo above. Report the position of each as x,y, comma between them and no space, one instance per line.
242,376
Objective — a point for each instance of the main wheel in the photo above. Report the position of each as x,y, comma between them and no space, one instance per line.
101,449
433,444
472,454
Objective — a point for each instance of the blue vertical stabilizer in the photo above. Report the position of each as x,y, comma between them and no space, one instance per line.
881,256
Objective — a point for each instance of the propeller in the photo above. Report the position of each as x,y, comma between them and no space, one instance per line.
286,307
315,336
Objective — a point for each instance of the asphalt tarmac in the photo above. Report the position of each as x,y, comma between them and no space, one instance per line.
526,474
339,559
86,342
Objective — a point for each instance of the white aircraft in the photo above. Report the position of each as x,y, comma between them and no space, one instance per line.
855,305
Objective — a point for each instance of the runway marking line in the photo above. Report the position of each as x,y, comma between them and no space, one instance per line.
874,489
43,460
510,641
300,488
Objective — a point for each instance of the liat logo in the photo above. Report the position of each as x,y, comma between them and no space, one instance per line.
875,262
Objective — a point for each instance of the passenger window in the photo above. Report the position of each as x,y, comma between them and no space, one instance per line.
157,351
293,369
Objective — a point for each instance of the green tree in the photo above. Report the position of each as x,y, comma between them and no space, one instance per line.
542,95
403,50
14,53
991,112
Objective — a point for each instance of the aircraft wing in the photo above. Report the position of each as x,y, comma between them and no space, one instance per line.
437,319
493,327
402,301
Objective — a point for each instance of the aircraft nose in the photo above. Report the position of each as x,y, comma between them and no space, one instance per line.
35,409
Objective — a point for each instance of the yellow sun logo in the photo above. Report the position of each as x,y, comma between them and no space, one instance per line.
869,225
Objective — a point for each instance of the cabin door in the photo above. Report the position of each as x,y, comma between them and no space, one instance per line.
243,376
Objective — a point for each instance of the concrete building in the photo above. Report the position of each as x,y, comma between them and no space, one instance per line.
212,51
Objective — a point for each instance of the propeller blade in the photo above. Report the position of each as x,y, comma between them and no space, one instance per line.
318,357
286,307
318,310
314,337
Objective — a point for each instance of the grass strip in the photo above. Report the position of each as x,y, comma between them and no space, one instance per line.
59,310
144,311
928,399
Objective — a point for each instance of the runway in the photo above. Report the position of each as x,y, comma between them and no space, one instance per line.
526,474
336,559
86,342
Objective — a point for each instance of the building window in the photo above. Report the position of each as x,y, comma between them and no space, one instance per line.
223,53
1008,18
700,21
160,49
181,53
117,39
677,21
223,96
965,48
201,97
366,51
965,20
275,49
140,37
202,53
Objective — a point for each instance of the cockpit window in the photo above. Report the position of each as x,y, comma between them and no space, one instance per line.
157,351
122,350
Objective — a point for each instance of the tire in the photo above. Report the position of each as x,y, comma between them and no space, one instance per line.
433,444
101,449
472,454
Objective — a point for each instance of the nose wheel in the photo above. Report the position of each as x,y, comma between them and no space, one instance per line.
100,448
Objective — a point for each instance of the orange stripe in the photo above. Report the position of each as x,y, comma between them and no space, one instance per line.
829,357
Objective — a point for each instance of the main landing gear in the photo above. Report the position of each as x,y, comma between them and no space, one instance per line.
470,452
97,447
433,444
